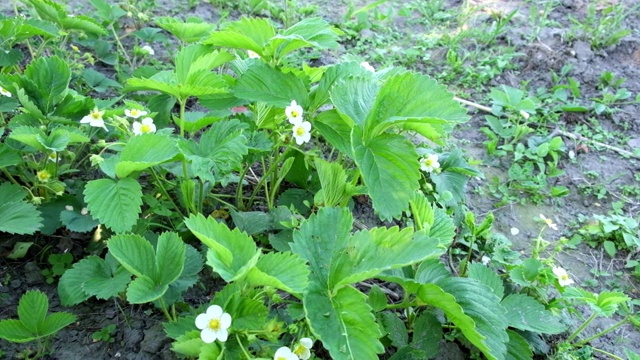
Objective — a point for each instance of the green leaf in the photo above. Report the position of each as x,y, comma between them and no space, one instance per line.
332,76
29,106
144,151
196,121
486,276
418,103
484,308
219,152
526,313
231,253
431,271
170,258
28,135
377,298
371,252
354,98
8,157
310,32
135,253
333,181
14,331
390,170
427,334
335,130
252,222
32,310
12,192
116,203
343,322
19,218
605,304
394,328
471,309
55,322
143,289
263,83
320,237
246,33
454,175
285,271
195,62
77,222
105,282
189,31
247,313
518,348
83,23
51,77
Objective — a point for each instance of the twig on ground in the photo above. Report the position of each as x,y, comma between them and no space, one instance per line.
561,132
391,293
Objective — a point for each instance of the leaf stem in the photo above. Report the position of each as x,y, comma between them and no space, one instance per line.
611,328
607,353
584,325
244,351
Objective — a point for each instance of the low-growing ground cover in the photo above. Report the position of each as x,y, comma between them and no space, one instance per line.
266,180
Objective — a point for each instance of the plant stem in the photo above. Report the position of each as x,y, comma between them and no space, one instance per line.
244,351
607,353
613,327
579,330
164,191
239,195
164,309
124,52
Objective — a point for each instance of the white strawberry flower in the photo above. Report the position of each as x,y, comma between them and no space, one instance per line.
135,113
563,276
4,92
430,163
549,222
214,324
303,348
284,353
148,50
253,54
302,132
94,119
367,66
294,112
144,127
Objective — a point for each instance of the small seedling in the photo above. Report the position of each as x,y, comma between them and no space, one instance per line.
105,334
33,323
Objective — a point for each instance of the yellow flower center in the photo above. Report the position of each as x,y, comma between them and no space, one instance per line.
428,162
281,358
134,112
564,277
145,128
43,175
299,350
53,156
300,131
95,115
294,114
214,324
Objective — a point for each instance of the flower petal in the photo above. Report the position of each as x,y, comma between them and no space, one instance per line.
202,321
147,121
214,311
207,335
306,126
222,334
306,342
225,321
